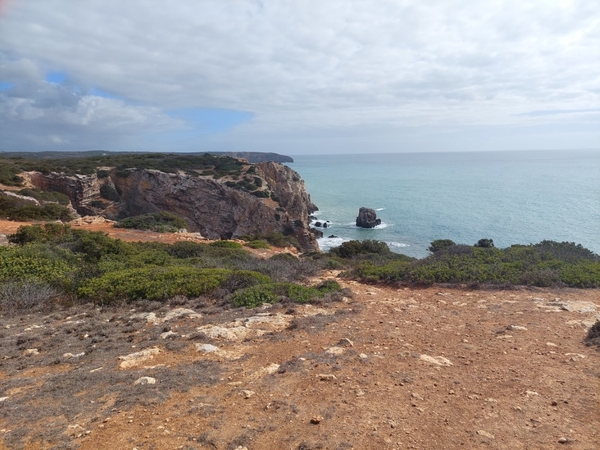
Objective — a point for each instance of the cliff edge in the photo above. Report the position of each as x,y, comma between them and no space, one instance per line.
255,200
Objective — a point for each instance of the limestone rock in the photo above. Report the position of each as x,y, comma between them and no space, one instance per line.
207,348
367,218
437,360
145,380
180,312
134,359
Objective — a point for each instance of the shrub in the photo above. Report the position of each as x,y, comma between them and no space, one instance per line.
102,173
261,194
440,244
254,296
593,335
24,295
352,249
41,233
269,293
259,243
37,263
242,279
485,243
19,209
226,244
162,222
153,283
42,196
329,286
544,264
109,193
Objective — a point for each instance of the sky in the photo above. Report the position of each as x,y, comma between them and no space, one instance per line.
299,76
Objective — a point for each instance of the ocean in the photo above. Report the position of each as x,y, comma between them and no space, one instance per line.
511,197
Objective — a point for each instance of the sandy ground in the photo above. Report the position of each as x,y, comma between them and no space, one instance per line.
388,368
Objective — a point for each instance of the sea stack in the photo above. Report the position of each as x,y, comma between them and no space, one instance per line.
367,218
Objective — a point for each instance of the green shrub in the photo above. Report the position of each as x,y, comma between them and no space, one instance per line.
37,263
350,249
162,222
261,194
440,244
153,283
109,193
226,244
485,243
42,196
329,286
284,257
9,173
260,243
19,209
48,232
269,293
545,264
102,173
255,296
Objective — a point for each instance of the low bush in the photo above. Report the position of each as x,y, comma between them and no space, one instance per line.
440,244
43,196
109,193
227,244
270,293
259,243
13,208
39,263
18,296
162,222
351,249
153,283
544,264
254,296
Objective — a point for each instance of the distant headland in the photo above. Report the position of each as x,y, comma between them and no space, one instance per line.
251,157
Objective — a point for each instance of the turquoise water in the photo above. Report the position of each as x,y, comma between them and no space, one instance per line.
510,197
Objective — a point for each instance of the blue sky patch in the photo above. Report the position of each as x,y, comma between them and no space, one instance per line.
5,86
56,77
101,93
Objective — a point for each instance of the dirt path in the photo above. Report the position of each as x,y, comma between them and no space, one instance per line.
389,368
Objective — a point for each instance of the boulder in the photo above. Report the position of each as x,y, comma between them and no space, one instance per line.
367,218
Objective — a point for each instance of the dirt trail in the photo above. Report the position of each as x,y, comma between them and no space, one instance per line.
389,368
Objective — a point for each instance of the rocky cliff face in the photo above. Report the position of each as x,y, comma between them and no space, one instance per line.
215,208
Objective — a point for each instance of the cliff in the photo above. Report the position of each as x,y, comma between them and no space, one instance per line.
266,197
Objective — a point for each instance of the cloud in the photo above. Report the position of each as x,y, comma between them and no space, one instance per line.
297,68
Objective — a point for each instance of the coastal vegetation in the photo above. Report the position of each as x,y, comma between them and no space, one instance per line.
72,265
21,209
545,264
162,222
206,164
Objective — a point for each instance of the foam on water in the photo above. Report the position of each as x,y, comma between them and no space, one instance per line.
327,243
397,245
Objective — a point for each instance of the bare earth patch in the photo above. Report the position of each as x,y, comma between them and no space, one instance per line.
388,368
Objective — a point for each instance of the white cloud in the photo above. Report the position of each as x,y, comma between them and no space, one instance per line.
304,68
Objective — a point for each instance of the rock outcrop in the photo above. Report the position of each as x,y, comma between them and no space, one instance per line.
217,208
367,218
